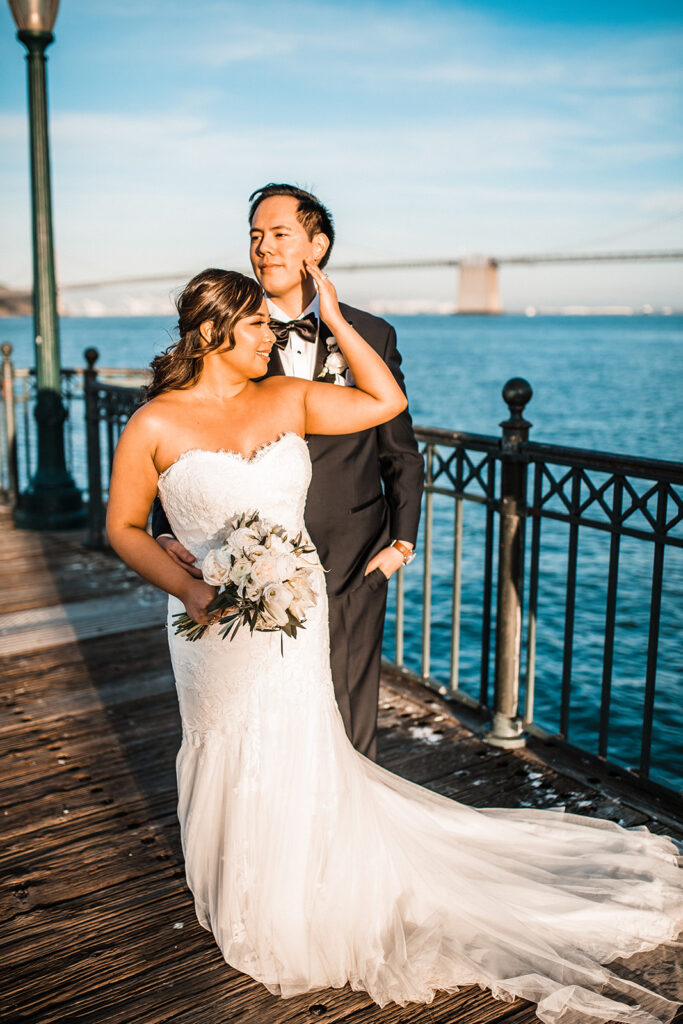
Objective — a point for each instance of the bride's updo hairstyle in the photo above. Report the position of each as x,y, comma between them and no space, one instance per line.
222,296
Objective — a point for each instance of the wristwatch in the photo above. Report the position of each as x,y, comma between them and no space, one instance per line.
403,549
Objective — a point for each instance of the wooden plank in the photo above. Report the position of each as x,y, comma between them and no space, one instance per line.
40,570
66,623
93,890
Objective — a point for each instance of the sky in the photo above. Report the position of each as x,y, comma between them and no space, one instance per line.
430,129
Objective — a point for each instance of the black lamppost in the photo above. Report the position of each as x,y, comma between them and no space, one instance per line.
52,500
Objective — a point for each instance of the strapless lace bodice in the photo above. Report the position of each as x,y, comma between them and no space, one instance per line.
202,489
221,684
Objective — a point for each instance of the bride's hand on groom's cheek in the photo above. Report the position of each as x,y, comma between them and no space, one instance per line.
328,302
388,560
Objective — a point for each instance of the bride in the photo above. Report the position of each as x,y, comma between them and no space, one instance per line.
311,865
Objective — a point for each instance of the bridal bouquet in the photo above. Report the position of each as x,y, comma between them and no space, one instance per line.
264,581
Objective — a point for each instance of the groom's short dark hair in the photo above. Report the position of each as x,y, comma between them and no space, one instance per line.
314,218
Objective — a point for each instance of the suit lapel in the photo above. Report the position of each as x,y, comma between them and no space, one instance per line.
321,351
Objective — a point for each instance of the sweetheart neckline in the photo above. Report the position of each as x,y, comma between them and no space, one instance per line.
246,459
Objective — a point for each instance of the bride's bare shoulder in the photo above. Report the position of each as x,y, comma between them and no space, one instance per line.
281,384
154,416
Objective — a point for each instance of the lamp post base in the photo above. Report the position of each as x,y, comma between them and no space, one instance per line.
51,501
51,508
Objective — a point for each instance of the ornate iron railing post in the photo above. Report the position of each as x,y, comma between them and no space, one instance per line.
506,725
10,423
92,421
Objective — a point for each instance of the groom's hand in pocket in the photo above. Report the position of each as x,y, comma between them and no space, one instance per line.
388,560
180,555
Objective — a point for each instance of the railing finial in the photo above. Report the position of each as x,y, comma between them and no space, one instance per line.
91,356
6,350
517,394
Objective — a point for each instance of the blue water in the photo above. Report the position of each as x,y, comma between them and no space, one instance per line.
609,383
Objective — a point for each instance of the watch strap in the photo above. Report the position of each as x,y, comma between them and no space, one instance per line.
406,553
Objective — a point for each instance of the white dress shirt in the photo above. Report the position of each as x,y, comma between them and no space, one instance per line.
298,356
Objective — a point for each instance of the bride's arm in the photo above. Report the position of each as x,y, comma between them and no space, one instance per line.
132,490
376,397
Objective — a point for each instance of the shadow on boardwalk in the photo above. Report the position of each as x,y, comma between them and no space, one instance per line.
98,925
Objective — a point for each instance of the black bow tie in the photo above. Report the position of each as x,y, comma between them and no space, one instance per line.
306,328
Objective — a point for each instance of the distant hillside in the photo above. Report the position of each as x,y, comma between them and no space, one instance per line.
13,303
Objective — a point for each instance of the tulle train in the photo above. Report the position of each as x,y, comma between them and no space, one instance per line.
315,867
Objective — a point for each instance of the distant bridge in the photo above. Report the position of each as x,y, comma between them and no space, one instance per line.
478,284
478,279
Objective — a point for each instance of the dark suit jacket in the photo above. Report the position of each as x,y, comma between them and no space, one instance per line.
366,487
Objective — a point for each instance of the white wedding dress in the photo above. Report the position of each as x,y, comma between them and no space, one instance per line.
314,867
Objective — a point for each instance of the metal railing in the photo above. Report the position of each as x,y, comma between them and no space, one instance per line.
108,408
623,497
18,439
590,493
584,493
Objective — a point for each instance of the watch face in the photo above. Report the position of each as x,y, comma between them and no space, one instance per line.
409,558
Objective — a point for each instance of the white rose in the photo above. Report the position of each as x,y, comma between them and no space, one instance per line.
286,566
240,571
336,363
242,540
252,592
303,577
298,608
214,573
277,546
278,592
224,556
303,597
276,601
264,570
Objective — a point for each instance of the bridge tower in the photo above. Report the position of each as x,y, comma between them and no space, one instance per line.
478,290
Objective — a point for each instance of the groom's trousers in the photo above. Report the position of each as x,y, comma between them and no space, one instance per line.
356,626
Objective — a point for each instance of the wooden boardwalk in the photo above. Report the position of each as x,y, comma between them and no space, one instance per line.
97,924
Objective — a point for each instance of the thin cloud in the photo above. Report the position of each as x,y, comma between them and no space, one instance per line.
256,45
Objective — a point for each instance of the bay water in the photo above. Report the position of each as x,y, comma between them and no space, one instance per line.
606,383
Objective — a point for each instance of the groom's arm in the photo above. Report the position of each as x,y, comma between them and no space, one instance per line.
160,524
162,532
401,465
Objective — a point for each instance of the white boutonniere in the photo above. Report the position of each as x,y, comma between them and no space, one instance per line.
335,364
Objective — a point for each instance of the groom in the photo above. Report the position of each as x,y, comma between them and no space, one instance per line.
364,500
